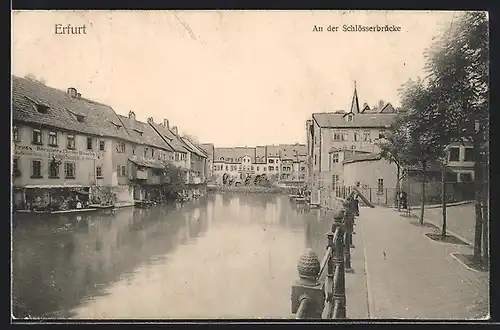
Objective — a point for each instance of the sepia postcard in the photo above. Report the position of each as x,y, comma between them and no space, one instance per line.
250,165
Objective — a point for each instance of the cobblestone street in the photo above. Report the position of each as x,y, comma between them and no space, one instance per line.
410,276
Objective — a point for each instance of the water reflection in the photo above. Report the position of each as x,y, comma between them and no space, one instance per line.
227,255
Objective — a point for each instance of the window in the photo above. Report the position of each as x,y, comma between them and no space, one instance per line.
177,157
252,167
337,136
335,157
146,151
98,172
271,168
366,135
15,167
454,154
121,170
89,143
120,147
264,168
380,186
353,147
70,142
344,135
152,153
335,182
227,168
69,170
53,139
133,150
36,168
349,118
356,135
465,177
15,133
257,168
469,155
41,108
37,136
315,159
381,134
53,169
303,168
102,145
239,167
271,161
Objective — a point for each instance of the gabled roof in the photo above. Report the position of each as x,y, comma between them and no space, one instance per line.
63,111
143,133
235,154
388,108
360,120
260,154
194,148
272,151
292,151
170,138
208,148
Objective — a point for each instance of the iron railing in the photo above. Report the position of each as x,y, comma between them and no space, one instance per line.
317,296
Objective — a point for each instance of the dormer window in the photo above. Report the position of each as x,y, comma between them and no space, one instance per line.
41,108
80,118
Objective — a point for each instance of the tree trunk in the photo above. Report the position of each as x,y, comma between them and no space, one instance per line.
398,187
422,208
486,214
443,200
478,199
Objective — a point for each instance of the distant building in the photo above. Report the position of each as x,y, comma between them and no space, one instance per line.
283,164
330,133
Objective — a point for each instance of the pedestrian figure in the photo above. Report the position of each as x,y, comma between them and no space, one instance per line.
403,200
356,204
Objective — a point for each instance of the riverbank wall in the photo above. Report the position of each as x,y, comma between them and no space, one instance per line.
251,189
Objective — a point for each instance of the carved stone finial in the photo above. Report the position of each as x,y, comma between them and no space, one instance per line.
339,214
308,266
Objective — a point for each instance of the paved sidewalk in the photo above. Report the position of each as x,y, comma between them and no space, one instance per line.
417,277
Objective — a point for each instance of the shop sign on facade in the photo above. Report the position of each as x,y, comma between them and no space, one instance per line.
43,151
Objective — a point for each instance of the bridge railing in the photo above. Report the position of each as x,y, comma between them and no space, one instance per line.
316,296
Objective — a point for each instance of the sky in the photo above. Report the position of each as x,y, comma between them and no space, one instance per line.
232,78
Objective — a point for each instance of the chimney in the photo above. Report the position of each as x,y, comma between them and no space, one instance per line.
166,123
72,92
174,129
150,120
79,95
131,115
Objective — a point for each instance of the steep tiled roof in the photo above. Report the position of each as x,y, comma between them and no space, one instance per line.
144,133
260,154
334,120
98,119
292,151
172,140
235,154
208,148
272,151
194,148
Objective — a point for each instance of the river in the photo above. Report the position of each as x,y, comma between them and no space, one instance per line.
226,255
